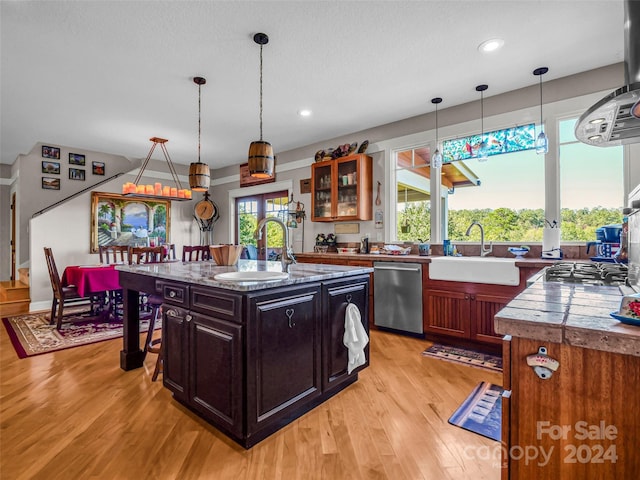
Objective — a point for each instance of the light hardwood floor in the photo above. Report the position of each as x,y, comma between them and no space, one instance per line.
75,414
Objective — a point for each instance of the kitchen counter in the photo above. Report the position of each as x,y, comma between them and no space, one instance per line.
203,273
383,257
250,357
153,278
572,314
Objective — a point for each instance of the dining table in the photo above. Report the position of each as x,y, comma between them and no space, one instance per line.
93,280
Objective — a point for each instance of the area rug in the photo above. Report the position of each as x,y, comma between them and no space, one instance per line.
481,412
465,356
31,334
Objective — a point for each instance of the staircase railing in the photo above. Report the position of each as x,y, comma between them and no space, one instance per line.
66,199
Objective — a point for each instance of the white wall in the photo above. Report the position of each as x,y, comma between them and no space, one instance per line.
66,230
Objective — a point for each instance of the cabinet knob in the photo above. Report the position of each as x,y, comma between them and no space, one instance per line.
172,293
188,318
289,313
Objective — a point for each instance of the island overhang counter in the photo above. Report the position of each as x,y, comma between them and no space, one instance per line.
248,357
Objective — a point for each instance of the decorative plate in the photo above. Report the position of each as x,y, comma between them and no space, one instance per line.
627,320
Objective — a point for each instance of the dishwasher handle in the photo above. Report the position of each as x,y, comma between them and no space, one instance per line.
397,269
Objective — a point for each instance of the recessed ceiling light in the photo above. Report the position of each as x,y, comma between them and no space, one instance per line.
491,45
304,112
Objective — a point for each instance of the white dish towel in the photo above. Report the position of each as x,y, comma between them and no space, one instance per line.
355,337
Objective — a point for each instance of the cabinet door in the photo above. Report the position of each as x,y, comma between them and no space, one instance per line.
337,295
484,308
322,182
216,371
283,357
447,313
174,346
342,189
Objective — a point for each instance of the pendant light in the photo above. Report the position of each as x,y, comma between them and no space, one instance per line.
436,158
199,175
157,190
483,149
542,143
261,158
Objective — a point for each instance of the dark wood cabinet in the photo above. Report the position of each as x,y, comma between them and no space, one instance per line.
251,362
216,371
338,295
341,189
283,354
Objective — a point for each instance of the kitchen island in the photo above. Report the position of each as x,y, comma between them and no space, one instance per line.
248,356
580,421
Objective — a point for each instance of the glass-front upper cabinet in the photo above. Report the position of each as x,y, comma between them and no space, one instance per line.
342,189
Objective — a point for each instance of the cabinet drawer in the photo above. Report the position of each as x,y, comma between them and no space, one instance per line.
219,304
175,293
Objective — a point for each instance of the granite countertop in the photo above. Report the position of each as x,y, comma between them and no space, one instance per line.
573,314
203,273
385,257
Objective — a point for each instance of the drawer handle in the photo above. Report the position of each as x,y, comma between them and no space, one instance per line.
289,313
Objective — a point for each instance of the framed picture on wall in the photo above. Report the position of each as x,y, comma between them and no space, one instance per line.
52,168
76,174
76,159
51,152
97,168
50,183
120,220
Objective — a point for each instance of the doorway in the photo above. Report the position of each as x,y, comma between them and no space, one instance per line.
250,211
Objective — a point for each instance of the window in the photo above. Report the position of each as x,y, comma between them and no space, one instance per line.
591,185
250,211
504,193
413,194
508,199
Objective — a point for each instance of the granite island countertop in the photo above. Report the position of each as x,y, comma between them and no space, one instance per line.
573,314
203,273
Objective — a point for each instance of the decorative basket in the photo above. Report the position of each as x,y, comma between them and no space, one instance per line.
226,254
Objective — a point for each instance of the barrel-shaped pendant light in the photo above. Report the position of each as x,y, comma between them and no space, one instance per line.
199,175
261,159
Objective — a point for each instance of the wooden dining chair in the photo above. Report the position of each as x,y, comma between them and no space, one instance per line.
117,253
62,296
139,255
195,253
169,251
142,255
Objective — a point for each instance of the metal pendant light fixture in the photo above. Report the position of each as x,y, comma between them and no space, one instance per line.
261,159
542,143
199,175
436,158
483,148
157,190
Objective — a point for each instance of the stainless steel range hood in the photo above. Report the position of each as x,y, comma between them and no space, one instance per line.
615,120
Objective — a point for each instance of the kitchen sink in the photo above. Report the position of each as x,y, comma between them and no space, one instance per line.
496,271
259,276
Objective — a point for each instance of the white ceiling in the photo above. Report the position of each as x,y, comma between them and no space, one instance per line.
108,75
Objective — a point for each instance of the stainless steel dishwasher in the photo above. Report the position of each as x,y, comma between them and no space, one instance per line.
397,290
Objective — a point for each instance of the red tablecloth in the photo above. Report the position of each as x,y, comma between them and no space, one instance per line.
91,279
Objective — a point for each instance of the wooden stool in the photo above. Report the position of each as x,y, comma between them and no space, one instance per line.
154,345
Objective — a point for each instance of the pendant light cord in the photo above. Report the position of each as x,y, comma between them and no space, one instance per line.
540,76
481,116
199,121
260,92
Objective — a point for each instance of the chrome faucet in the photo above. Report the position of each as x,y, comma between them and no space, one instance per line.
483,252
287,257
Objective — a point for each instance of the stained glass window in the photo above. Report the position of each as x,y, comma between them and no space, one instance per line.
508,140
